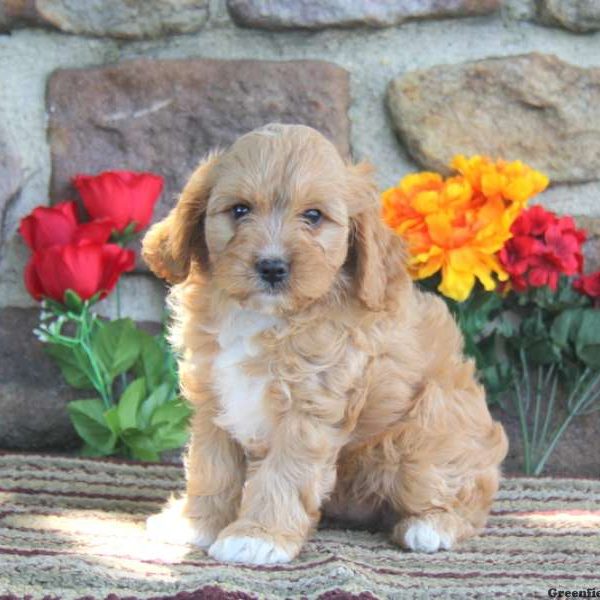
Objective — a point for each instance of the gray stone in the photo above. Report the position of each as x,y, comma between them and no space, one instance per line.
125,18
591,248
573,199
577,15
163,116
33,395
532,107
142,299
11,178
129,19
315,14
591,252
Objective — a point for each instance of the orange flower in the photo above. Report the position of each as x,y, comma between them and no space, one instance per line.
457,225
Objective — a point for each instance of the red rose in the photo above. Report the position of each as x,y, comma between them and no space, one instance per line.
543,248
57,225
124,197
84,267
589,285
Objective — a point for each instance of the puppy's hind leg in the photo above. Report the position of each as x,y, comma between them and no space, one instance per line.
448,473
448,520
430,531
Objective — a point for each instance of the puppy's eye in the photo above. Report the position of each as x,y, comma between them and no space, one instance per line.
312,216
240,210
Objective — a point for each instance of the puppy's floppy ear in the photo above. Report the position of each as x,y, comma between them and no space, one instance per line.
170,245
376,253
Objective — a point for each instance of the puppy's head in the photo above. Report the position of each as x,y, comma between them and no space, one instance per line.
276,222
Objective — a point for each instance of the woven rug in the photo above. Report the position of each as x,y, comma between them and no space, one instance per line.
73,528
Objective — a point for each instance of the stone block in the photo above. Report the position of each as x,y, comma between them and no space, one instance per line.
532,107
579,16
11,179
33,394
164,115
142,299
314,14
128,19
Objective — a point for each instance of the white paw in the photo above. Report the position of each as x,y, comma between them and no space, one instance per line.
172,527
422,537
248,550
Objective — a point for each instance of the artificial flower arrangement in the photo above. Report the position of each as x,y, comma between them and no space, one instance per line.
136,409
513,277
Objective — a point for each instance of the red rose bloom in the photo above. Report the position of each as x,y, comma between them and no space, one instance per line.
124,197
50,225
543,248
589,285
85,267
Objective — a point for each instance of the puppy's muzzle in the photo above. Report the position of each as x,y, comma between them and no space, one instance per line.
273,271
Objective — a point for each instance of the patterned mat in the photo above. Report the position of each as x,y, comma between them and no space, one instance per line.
72,528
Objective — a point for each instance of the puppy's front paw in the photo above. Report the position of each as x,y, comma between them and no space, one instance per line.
254,550
173,527
421,536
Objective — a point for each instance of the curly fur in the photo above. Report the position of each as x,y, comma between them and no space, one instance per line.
371,412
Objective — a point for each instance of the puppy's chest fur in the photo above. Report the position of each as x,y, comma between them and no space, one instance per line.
242,395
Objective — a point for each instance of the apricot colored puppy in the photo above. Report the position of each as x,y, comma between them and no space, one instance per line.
322,379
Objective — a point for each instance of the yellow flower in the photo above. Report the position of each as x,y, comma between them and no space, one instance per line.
457,225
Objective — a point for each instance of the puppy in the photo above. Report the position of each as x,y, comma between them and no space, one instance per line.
322,380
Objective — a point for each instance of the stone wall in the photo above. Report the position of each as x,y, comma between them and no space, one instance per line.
87,85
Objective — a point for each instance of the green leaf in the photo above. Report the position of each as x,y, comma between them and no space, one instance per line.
175,411
543,352
497,379
149,406
565,325
89,422
140,445
117,345
168,438
73,363
112,420
152,361
587,338
129,403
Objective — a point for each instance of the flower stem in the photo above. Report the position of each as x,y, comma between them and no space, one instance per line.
542,462
123,377
536,414
573,412
550,409
98,380
523,417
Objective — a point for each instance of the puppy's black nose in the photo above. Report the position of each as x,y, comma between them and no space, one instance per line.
273,270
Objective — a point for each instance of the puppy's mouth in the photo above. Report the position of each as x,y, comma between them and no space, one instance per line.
274,289
268,299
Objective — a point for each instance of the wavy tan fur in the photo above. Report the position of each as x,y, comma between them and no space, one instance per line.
373,412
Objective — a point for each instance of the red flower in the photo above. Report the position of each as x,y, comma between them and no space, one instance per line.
543,248
84,267
589,285
564,245
533,221
51,225
124,197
